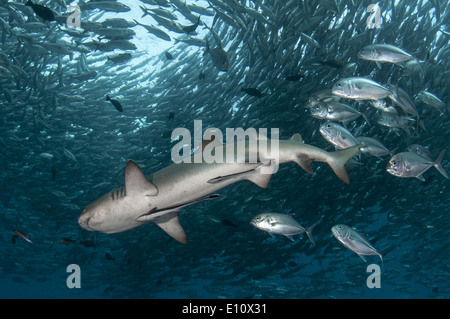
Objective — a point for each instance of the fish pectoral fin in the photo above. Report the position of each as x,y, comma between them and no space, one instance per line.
136,182
290,237
420,177
171,225
362,257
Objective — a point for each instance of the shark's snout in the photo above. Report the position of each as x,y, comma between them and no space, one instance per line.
83,220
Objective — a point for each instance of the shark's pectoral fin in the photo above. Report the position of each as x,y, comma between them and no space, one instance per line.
171,225
136,182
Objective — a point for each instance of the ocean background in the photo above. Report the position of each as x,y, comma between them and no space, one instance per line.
62,146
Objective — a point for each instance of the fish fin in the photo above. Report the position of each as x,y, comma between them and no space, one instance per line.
379,65
135,181
420,177
438,165
362,257
338,159
309,233
304,163
171,225
262,180
297,137
271,235
290,237
207,48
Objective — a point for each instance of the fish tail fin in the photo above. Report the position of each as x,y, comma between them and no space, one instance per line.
438,165
338,159
145,10
309,233
207,48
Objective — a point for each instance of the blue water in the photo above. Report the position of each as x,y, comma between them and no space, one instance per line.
63,146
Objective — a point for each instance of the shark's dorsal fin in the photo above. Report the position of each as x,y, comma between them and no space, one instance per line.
171,225
136,182
297,137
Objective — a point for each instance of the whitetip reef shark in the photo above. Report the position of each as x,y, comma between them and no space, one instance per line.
159,197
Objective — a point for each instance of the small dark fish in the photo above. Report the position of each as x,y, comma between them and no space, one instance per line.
109,257
168,55
41,11
171,115
66,241
294,77
201,76
87,243
13,239
123,57
332,63
219,57
191,28
116,103
228,222
252,92
22,235
53,169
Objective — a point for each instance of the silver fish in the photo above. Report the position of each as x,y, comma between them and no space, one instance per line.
354,241
360,88
337,135
431,100
372,146
281,224
384,53
335,111
411,164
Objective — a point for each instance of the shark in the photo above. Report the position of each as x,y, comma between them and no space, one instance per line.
159,197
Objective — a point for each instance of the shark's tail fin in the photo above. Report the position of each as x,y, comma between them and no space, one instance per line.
338,159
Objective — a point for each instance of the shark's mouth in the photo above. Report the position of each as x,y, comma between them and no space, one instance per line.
145,217
83,221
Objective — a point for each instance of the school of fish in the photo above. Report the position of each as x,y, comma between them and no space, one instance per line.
79,102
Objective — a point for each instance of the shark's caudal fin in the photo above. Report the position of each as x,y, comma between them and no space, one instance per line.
170,224
338,159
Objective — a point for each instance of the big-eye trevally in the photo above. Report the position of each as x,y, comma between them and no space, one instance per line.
281,224
411,164
354,241
360,88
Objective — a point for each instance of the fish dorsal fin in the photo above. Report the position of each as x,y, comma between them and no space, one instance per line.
171,225
136,182
297,137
